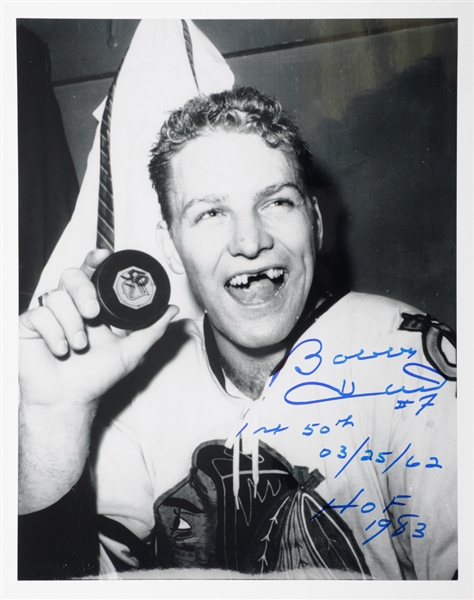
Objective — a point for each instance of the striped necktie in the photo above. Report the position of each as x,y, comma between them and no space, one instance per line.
189,50
105,218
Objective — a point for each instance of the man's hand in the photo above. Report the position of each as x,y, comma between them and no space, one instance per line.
66,363
64,359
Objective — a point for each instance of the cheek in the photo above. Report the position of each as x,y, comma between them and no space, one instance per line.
306,250
203,248
199,264
299,240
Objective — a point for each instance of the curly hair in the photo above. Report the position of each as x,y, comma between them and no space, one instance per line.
242,110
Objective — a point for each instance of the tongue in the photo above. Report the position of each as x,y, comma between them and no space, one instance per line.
255,292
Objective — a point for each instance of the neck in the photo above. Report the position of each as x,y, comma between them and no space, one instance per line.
248,368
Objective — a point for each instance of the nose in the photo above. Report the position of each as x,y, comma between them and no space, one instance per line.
249,235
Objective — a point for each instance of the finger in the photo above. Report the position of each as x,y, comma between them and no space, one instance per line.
66,313
137,344
41,323
82,291
93,260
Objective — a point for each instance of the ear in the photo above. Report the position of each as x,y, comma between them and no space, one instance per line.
318,226
165,242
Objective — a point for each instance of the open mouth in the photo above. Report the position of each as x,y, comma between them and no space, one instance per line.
256,288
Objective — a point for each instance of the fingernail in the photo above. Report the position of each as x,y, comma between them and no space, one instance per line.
80,340
91,309
62,347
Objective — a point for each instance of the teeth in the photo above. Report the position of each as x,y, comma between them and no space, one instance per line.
239,280
244,278
274,273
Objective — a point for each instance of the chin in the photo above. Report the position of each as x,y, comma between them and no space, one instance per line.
256,337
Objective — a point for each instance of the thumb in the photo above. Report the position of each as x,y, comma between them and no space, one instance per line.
135,345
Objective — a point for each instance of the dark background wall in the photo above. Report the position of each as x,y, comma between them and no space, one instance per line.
376,99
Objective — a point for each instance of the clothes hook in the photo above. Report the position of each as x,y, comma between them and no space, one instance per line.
111,37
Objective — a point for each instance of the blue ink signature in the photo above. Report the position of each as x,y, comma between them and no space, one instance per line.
343,394
314,358
316,355
340,359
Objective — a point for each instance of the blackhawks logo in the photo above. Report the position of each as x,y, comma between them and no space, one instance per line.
134,287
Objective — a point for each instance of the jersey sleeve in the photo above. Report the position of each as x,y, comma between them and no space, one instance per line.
60,541
125,518
423,485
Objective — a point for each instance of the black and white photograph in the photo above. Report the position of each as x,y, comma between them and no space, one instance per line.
238,295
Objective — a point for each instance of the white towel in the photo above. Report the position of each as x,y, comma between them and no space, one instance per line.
154,79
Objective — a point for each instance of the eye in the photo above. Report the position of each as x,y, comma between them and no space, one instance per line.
212,213
283,202
279,204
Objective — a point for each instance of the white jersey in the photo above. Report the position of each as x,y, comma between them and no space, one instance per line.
345,466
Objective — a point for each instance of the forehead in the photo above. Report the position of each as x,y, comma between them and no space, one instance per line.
228,164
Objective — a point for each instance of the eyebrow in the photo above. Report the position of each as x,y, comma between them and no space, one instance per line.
210,199
278,187
268,191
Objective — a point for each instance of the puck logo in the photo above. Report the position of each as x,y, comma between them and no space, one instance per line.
134,287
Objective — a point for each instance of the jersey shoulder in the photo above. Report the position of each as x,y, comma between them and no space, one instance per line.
378,319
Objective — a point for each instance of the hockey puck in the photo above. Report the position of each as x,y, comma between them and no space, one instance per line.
133,290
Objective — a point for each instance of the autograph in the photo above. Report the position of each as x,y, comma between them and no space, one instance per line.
340,359
390,390
426,380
